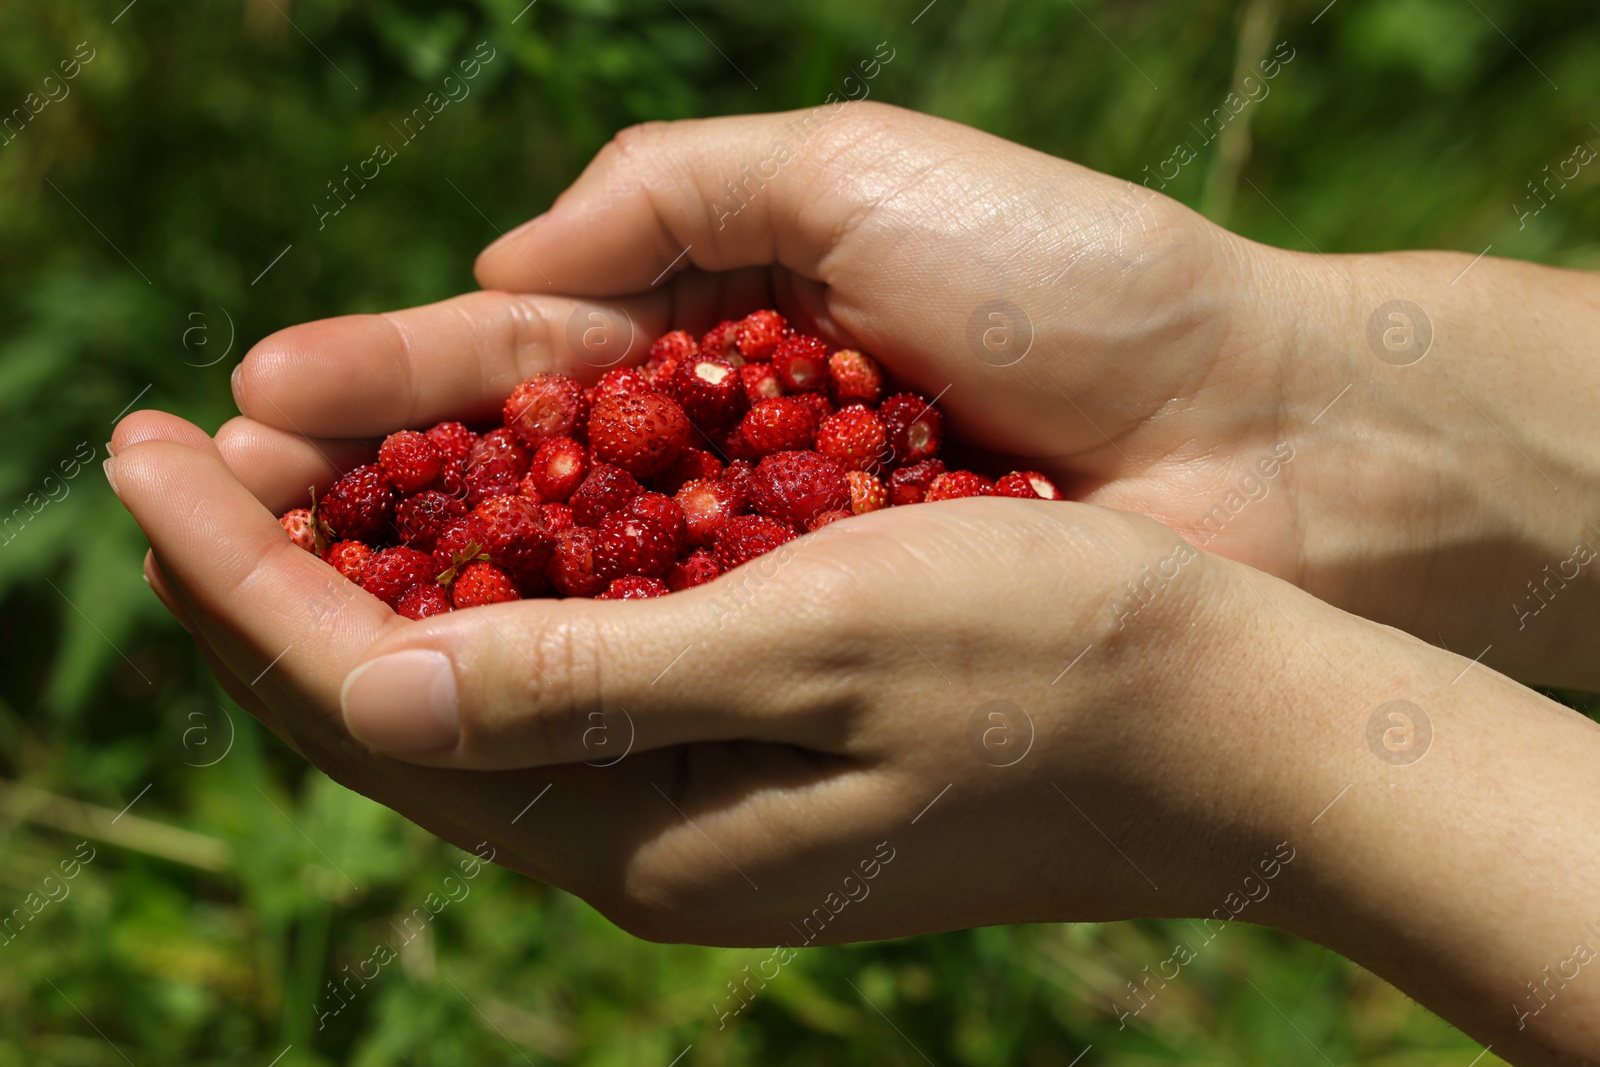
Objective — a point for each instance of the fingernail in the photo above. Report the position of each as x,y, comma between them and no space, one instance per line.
110,467
403,702
238,371
109,450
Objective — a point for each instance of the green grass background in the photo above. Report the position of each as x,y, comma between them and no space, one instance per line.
136,214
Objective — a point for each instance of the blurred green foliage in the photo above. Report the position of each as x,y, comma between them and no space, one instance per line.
159,217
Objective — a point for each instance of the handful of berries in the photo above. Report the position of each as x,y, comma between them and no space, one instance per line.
656,479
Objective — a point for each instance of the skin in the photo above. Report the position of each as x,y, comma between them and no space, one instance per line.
836,709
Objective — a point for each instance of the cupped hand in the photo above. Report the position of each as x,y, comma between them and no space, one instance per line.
893,686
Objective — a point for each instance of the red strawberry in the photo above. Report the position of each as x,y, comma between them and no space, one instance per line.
697,568
956,484
798,486
628,544
758,333
826,517
914,426
546,405
622,381
390,573
482,583
495,467
853,438
558,468
723,342
706,505
464,540
867,492
529,488
453,440
515,534
634,587
557,518
744,537
820,405
692,463
1027,485
760,382
358,504
572,569
801,364
782,425
854,376
642,434
410,461
738,475
348,557
420,518
736,449
605,490
424,600
665,354
663,511
301,528
709,391
908,485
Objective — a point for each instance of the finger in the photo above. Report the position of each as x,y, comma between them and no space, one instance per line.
368,375
164,592
582,681
278,467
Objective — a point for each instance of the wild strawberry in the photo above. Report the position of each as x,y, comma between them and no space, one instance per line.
464,540
722,341
390,573
866,492
558,468
783,425
642,434
854,376
706,505
546,405
1027,485
530,489
914,426
665,354
420,518
515,534
495,467
760,382
557,518
482,583
956,484
453,440
758,333
738,474
697,568
819,403
572,569
908,485
348,557
622,381
301,528
823,518
692,463
801,364
709,391
424,600
628,544
853,438
604,490
745,537
736,449
358,504
634,587
410,461
664,512
453,480
798,486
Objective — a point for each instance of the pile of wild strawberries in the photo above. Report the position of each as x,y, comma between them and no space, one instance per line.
620,491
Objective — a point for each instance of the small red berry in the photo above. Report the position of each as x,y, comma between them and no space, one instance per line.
420,518
914,426
908,485
1027,485
301,528
546,405
706,505
358,504
604,490
634,587
854,438
410,461
854,377
495,467
867,492
558,468
348,557
785,424
515,534
643,434
801,364
745,537
722,341
557,518
423,600
828,516
390,573
664,512
665,354
692,463
758,333
954,484
572,569
760,382
697,568
629,544
482,583
798,486
462,541
622,381
820,405
453,440
709,391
